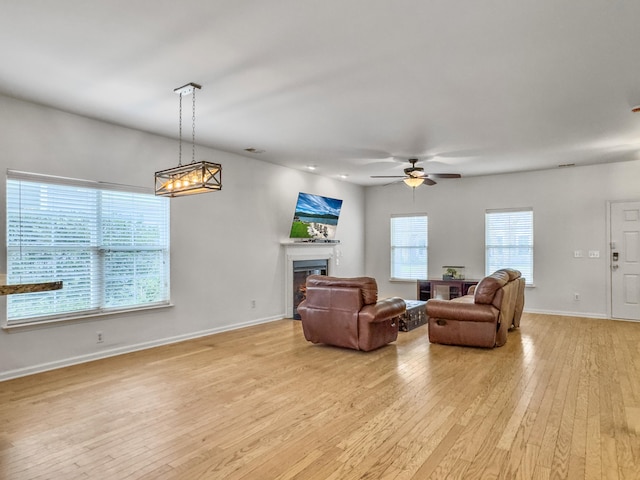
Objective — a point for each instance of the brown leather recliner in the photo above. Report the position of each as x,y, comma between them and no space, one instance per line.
482,317
517,314
345,312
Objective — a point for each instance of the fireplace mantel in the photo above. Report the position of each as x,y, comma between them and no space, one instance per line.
303,251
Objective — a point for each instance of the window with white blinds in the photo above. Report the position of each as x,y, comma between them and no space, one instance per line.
509,241
108,244
409,234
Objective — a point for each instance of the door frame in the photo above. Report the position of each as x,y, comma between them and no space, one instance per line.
609,283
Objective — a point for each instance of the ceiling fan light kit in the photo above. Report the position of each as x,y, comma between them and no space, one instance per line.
413,182
195,177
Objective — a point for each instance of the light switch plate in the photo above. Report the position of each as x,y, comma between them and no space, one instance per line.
594,253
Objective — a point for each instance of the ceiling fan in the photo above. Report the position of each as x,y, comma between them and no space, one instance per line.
415,176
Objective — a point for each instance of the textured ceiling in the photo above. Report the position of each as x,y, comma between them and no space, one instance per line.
470,87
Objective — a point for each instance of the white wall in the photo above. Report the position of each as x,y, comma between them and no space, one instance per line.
225,246
569,209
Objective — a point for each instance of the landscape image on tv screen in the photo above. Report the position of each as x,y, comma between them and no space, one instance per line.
316,217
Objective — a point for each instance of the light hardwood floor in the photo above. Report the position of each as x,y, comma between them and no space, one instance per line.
560,400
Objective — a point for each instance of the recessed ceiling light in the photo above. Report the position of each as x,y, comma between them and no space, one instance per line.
343,175
253,150
311,167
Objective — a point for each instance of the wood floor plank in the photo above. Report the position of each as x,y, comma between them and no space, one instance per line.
554,421
527,465
593,447
560,400
518,448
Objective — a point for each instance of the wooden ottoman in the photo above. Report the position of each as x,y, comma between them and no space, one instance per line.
415,315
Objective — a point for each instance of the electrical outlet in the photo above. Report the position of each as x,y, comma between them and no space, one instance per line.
99,337
253,304
576,297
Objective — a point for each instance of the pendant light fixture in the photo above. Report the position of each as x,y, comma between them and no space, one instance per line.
195,177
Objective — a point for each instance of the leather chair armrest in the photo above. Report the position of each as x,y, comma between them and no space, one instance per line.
383,310
302,307
473,312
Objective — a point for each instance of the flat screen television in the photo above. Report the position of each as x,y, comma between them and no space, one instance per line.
316,217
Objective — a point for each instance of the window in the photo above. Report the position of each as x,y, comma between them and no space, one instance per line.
509,241
409,247
109,244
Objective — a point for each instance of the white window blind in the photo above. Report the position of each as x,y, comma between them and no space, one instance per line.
409,236
108,244
509,241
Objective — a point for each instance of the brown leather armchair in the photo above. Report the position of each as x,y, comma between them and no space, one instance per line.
345,312
482,317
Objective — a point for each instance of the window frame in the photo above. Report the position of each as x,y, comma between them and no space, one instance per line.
149,257
408,248
526,270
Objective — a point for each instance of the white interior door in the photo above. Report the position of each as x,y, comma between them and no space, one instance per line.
625,260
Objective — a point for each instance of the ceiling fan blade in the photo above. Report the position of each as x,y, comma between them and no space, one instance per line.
445,175
387,176
428,181
462,153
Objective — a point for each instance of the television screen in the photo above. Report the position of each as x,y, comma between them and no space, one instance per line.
316,217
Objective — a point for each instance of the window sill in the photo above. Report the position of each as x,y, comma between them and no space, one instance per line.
403,280
19,327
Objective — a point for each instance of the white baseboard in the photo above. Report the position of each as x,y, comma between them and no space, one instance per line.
567,314
67,362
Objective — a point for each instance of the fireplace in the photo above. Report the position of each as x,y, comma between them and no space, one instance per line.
301,270
305,252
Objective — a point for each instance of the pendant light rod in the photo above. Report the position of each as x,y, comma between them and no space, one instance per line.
188,89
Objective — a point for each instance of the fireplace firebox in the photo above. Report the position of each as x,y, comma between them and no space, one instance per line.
301,270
